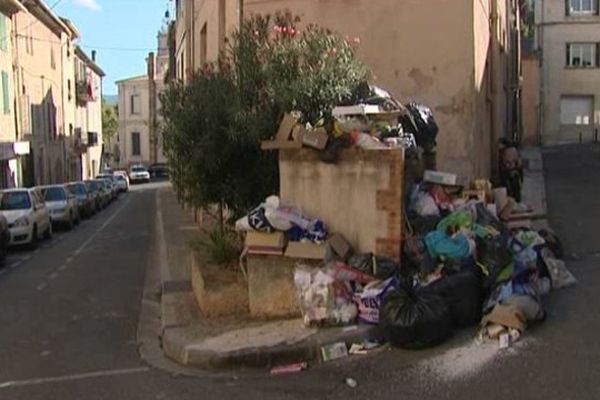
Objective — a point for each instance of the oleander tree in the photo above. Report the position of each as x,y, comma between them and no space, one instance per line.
213,125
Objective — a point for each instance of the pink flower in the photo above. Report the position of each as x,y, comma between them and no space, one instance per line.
284,29
256,33
292,31
277,28
356,40
334,51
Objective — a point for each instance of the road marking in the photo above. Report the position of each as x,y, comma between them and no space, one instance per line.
27,257
62,267
73,377
16,264
53,275
41,286
165,271
68,260
104,225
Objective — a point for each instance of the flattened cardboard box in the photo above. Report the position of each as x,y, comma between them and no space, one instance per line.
265,243
316,138
306,250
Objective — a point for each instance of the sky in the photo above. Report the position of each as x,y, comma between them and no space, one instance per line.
121,31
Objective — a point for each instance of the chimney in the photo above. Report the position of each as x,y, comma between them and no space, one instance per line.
94,55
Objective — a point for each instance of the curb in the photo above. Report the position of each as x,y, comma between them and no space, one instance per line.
177,348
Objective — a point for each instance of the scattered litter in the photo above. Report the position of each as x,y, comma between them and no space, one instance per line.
504,341
351,383
289,369
363,348
334,351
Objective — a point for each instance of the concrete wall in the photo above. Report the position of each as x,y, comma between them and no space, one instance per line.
555,30
410,59
360,196
531,96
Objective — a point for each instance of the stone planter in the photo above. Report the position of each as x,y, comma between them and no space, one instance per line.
219,291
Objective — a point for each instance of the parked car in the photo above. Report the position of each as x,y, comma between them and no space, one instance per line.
112,185
158,170
61,204
27,216
4,239
139,174
105,191
94,189
85,199
122,183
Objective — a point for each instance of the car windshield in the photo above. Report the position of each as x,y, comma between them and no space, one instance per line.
138,169
15,201
54,194
92,185
119,177
77,189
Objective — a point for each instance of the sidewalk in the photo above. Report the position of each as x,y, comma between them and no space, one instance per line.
192,340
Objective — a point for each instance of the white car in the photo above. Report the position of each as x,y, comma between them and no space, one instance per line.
26,214
61,204
121,182
139,173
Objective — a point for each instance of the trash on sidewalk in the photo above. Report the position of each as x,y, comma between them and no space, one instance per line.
351,383
363,348
289,369
334,351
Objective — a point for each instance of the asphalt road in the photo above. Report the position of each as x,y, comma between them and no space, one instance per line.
69,314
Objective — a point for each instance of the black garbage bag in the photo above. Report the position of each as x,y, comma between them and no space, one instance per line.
379,267
411,320
493,254
463,292
422,124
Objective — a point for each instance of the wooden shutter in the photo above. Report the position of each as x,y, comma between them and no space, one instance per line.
5,93
597,55
3,33
567,7
596,8
568,52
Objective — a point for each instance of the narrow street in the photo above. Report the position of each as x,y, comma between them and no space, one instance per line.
70,312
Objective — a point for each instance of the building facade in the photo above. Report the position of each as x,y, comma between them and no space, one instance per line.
139,116
568,42
11,148
87,136
471,82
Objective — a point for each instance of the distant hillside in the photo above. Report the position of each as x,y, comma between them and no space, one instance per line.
111,99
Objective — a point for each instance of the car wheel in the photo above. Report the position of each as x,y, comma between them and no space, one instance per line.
4,249
34,238
48,233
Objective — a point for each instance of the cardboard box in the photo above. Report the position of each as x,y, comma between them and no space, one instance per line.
316,138
265,243
306,250
361,109
340,246
285,138
441,178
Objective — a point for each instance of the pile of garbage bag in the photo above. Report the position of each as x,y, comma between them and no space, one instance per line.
465,264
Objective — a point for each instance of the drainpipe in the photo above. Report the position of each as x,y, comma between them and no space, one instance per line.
542,74
493,92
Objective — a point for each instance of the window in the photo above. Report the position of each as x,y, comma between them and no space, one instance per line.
69,90
578,7
582,55
576,110
135,144
135,104
5,93
3,33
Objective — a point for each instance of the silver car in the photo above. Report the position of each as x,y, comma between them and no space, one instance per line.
62,205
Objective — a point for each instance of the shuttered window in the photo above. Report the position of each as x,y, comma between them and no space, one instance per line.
5,93
3,33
